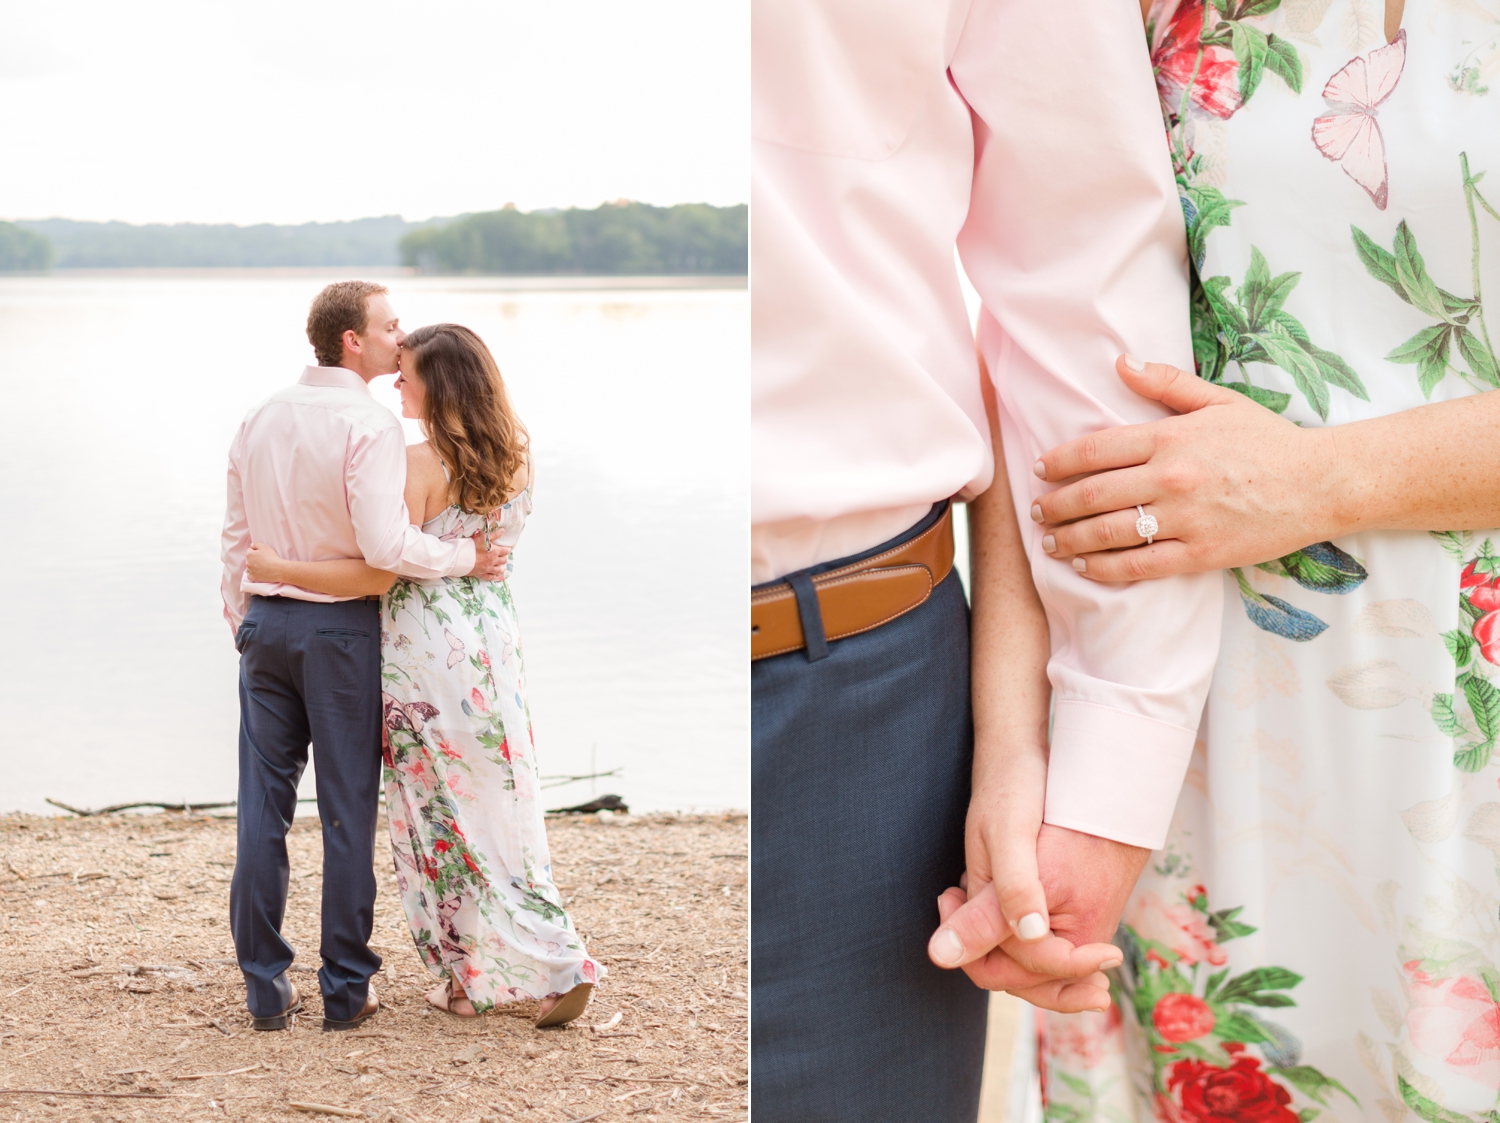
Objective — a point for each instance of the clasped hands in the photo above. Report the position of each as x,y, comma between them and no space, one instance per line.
1039,903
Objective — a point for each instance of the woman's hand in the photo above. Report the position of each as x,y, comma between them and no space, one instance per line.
1229,482
263,564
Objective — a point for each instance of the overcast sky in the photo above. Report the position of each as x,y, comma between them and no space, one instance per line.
318,110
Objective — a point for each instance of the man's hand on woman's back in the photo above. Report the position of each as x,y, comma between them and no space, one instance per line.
489,561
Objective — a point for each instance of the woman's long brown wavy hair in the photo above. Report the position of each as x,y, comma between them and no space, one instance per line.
468,416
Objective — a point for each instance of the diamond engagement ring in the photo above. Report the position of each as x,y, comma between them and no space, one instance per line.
1145,526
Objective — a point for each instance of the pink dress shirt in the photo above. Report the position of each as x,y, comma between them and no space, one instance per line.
317,472
884,132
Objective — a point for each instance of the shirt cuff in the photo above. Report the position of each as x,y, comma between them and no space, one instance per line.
1114,773
465,559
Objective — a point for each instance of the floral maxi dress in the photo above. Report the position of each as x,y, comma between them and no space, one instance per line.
466,821
1320,938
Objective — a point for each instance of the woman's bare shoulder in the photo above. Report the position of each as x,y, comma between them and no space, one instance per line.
422,461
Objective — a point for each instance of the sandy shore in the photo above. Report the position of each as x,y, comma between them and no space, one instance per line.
117,975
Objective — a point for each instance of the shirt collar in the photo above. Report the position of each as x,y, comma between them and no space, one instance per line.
340,377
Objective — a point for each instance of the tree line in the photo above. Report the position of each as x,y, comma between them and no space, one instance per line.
22,250
620,238
615,239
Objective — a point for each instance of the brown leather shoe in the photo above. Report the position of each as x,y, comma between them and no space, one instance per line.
283,1019
372,1007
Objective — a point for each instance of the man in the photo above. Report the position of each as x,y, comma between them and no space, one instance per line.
318,472
1028,133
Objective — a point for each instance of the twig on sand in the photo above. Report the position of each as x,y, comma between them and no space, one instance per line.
213,1021
112,808
18,990
106,1095
325,1109
586,1118
208,1075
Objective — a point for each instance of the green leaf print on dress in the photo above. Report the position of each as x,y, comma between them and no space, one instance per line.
1460,326
1253,326
1471,714
1201,1020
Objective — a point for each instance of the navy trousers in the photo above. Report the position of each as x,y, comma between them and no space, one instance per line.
859,789
309,672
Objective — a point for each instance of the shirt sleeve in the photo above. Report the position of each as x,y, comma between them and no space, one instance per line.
1075,243
234,542
375,479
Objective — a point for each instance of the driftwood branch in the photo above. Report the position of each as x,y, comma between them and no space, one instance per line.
114,807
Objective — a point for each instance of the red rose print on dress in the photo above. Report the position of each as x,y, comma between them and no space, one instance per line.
1200,1016
1182,1017
1487,634
1482,591
1213,81
1241,1093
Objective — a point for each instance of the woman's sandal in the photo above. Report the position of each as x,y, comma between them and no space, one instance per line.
567,1007
445,1000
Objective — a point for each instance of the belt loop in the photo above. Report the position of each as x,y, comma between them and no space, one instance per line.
811,612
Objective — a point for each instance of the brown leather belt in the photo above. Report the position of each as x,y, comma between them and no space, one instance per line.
857,597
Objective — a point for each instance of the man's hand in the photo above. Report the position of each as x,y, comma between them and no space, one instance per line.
489,561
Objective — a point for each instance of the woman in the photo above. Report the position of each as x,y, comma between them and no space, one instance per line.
461,785
1320,934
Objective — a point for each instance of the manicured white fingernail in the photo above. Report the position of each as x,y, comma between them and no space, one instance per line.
1049,543
946,948
1110,964
1036,513
1032,926
1081,564
1040,469
1133,363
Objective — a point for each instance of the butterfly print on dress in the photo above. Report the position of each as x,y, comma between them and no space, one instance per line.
456,654
1350,134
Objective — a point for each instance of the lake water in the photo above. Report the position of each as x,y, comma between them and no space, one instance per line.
121,394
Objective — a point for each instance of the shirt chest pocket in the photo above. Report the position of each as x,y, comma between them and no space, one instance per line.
844,77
